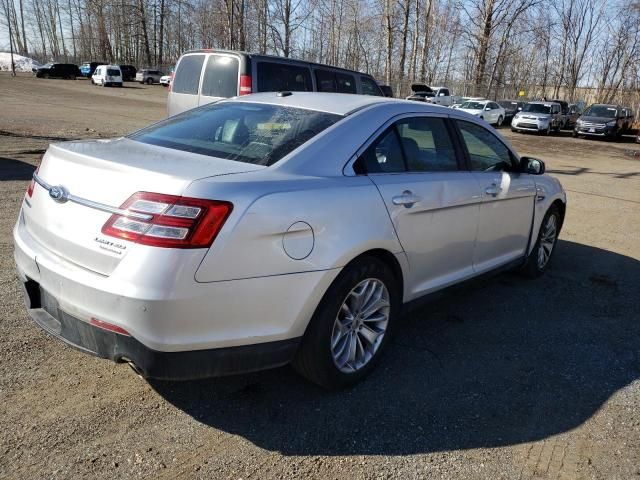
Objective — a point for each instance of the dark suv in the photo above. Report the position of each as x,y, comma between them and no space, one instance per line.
58,70
600,120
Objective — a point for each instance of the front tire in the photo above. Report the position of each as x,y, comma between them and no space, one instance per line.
351,326
500,120
540,256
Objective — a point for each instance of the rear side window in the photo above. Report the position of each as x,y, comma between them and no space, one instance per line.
280,77
246,132
221,77
346,83
326,81
187,77
370,87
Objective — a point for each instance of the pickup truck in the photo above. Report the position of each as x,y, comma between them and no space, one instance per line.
435,95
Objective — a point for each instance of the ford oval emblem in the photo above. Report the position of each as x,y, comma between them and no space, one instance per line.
59,194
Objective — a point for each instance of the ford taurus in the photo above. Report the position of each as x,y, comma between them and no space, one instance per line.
274,228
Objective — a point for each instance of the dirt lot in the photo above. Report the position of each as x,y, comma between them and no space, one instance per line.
514,379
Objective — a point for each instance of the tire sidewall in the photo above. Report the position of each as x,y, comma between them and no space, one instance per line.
317,338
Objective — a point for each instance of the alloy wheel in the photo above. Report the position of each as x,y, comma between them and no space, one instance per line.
360,325
547,241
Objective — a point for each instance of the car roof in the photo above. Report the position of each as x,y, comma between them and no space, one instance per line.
337,103
541,102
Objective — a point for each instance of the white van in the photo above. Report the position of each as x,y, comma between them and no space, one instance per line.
107,75
205,76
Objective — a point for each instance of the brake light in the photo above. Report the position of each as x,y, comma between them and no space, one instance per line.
245,84
32,185
174,222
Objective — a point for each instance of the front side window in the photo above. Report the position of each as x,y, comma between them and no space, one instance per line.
486,152
245,132
427,145
221,77
370,87
280,77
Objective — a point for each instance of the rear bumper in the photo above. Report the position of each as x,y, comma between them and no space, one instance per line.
149,363
153,295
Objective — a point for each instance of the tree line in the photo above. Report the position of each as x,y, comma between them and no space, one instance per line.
479,47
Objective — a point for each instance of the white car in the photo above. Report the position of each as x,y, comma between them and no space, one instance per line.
487,110
165,80
274,228
106,75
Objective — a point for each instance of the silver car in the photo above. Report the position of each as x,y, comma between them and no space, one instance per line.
539,117
274,228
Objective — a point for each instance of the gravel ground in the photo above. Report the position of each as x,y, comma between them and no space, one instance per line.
509,379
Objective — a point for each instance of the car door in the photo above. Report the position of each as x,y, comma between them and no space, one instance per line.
432,201
221,78
508,196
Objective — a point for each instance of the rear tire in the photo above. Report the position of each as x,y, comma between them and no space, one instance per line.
500,120
344,320
149,81
538,260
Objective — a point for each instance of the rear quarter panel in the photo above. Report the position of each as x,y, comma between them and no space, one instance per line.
347,216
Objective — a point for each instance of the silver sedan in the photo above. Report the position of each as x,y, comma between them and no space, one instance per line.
274,228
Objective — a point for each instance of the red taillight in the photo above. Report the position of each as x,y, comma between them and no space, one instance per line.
32,185
176,222
245,84
109,327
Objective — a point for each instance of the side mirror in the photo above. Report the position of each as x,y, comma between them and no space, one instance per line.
532,166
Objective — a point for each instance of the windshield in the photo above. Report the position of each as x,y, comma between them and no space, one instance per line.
506,104
601,111
536,108
245,132
473,105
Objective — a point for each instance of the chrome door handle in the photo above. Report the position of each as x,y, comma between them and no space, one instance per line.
493,190
407,199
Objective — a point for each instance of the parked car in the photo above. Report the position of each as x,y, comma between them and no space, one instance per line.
442,96
459,101
87,68
421,93
600,120
165,80
58,70
538,117
128,73
511,107
487,110
244,257
226,73
149,76
106,75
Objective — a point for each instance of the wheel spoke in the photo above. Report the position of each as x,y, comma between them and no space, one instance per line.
369,334
374,307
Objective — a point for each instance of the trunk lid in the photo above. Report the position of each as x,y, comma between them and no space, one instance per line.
107,172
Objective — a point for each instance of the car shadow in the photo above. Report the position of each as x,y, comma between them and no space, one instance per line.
514,360
12,169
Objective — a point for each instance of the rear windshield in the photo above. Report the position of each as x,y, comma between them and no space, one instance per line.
221,77
280,77
112,72
245,132
536,108
187,78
